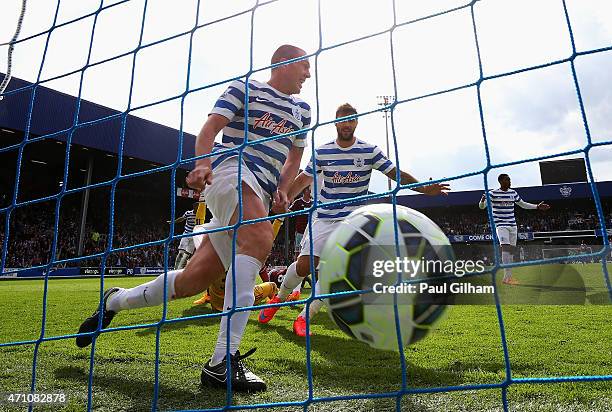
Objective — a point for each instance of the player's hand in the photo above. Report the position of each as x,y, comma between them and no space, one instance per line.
201,176
436,189
280,202
543,206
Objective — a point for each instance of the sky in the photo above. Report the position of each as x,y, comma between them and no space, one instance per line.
529,114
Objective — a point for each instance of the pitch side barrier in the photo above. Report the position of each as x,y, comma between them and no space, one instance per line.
529,236
79,272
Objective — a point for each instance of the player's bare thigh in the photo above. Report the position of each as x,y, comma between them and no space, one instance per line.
254,239
205,267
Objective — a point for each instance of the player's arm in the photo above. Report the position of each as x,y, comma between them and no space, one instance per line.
201,175
407,178
287,176
533,206
177,220
525,205
304,179
299,184
225,109
381,163
291,168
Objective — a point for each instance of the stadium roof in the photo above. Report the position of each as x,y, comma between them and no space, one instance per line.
53,115
566,191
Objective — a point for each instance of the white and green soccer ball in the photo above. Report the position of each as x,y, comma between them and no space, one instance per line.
353,254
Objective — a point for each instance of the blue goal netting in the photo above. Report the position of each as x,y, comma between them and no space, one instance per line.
391,106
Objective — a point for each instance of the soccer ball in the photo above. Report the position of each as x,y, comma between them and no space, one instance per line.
353,260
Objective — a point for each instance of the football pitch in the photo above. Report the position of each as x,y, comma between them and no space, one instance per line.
465,349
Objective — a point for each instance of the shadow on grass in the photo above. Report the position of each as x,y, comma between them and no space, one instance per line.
348,360
135,389
141,391
192,311
341,366
602,298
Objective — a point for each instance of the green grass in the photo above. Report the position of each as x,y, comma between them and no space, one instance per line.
465,349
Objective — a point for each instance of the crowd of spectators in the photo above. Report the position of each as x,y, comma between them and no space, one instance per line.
277,255
31,235
32,231
462,221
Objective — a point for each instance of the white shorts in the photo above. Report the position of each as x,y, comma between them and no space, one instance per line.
187,245
221,198
507,235
321,229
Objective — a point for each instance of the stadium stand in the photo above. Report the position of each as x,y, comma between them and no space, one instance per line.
140,215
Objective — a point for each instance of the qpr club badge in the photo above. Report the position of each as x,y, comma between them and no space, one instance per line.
296,113
358,162
566,191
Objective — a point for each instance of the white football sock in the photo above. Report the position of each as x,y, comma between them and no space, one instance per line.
507,258
147,294
247,268
291,282
315,305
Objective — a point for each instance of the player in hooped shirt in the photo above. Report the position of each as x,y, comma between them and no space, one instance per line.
502,204
346,165
266,172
